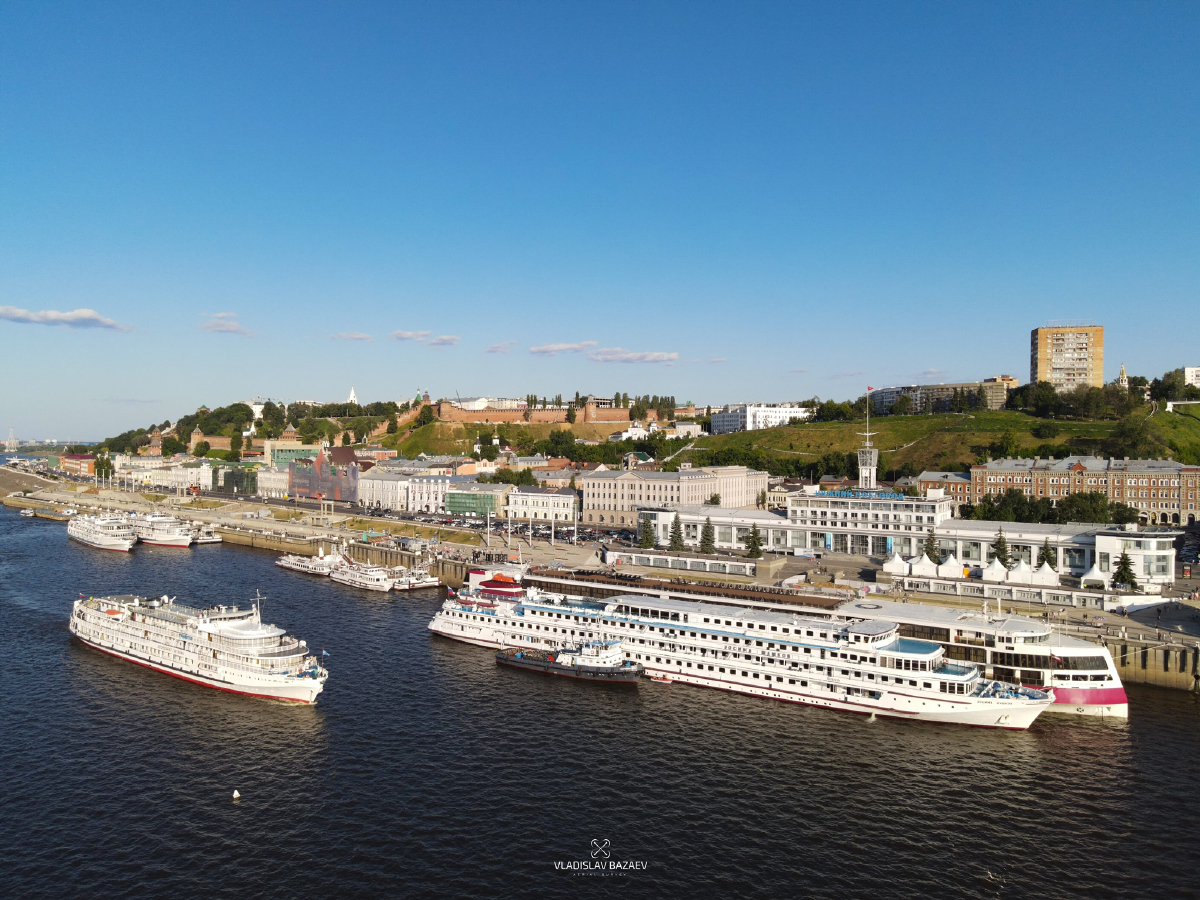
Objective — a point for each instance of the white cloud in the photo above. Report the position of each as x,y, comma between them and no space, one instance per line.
716,360
553,349
617,355
443,340
857,373
352,336
798,371
502,347
418,336
225,323
75,318
932,373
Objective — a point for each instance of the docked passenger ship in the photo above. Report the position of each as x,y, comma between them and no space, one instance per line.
104,532
864,666
223,647
1012,648
311,565
162,530
371,578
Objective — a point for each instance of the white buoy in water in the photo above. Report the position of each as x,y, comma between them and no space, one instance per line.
236,795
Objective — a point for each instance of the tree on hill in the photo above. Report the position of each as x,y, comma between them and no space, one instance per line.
345,439
676,543
171,446
235,442
571,415
201,449
1000,549
708,542
1123,573
1047,555
754,542
424,417
392,426
523,477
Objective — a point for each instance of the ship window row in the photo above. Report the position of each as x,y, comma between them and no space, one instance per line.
953,687
909,665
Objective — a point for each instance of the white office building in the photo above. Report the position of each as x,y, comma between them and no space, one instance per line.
379,488
753,416
273,482
543,503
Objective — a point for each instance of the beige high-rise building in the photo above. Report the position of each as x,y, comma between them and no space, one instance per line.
1067,355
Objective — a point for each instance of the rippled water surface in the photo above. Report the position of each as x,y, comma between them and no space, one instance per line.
427,771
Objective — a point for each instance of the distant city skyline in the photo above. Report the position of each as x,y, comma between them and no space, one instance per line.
723,203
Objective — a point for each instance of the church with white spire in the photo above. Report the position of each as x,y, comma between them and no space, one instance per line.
353,397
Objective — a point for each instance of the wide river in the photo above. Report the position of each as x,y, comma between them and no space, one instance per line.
427,771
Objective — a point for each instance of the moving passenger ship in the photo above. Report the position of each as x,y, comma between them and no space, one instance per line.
223,647
104,532
864,667
1012,648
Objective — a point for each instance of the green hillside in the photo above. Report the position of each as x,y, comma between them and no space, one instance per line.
954,441
458,438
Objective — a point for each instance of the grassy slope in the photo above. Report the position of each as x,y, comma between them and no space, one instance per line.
456,437
943,441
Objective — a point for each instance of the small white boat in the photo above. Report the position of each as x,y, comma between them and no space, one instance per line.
27,513
371,578
415,580
204,534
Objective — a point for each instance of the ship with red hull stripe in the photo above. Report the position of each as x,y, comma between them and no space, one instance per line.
228,648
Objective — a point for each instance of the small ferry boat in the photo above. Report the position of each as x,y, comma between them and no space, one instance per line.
27,513
161,530
591,661
205,534
311,565
223,647
103,532
371,578
415,580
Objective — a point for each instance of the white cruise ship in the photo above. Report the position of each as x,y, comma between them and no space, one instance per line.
225,647
311,565
161,530
1012,648
864,667
104,532
371,578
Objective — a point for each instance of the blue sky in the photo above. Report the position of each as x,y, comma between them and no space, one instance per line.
716,201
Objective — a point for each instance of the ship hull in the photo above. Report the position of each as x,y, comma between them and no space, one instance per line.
1001,714
119,546
306,694
167,542
1110,702
580,673
372,586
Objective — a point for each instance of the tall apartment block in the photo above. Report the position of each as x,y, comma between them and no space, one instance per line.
1067,355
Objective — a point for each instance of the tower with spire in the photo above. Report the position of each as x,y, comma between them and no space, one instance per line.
353,399
868,456
1123,379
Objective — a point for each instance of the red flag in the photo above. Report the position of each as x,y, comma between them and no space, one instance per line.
869,388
